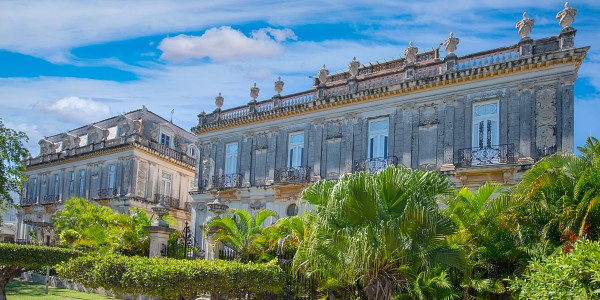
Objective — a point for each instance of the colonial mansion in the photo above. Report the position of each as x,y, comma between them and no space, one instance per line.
476,117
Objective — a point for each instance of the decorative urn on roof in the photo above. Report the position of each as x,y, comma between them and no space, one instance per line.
278,85
323,75
525,26
353,67
254,92
410,53
219,101
451,43
566,17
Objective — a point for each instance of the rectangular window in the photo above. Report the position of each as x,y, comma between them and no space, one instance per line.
378,138
485,124
34,188
166,183
120,131
56,184
295,149
112,176
81,192
71,183
165,139
231,154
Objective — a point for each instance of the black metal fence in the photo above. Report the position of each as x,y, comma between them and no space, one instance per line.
374,164
487,155
293,175
227,181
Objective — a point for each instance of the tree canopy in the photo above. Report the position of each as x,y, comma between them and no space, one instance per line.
12,155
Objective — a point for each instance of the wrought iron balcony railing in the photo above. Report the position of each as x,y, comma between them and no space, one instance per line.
50,199
166,200
374,164
487,155
228,181
108,193
293,175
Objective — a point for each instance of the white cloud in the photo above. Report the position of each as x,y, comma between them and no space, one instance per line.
76,110
225,43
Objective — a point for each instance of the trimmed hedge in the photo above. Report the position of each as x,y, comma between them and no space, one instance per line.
170,278
31,257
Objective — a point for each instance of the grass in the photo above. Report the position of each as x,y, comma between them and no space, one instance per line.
22,290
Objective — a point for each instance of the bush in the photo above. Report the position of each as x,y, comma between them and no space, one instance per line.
16,259
170,278
574,275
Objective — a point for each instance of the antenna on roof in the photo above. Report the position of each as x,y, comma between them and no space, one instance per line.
172,111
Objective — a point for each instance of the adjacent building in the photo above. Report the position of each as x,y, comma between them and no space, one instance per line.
478,117
134,160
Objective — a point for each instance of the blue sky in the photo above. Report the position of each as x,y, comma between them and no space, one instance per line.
64,63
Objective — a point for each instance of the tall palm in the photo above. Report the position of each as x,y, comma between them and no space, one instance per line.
239,231
370,231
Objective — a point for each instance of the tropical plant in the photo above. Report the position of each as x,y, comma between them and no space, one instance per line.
16,259
378,233
487,234
168,278
560,196
239,231
82,223
573,275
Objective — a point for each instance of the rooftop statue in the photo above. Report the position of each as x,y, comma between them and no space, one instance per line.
411,53
566,17
278,85
323,75
451,43
254,92
524,26
353,67
219,101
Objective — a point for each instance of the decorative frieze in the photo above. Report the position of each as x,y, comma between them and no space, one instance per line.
545,119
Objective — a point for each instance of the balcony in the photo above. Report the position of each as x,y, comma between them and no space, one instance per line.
228,181
485,156
293,175
108,193
374,164
50,199
168,201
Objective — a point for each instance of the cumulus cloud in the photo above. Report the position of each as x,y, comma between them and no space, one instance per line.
225,43
75,109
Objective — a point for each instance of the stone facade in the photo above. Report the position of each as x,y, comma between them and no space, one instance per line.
130,161
480,117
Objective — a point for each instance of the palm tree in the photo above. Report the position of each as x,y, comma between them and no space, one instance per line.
239,231
560,195
373,233
488,237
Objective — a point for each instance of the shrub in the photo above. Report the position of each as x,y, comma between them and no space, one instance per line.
170,278
16,259
574,275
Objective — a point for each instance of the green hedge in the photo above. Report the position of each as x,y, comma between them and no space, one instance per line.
169,278
32,257
574,275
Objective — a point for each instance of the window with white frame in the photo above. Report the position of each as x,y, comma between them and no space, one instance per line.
378,138
166,184
165,139
112,176
295,149
231,154
81,191
485,124
120,131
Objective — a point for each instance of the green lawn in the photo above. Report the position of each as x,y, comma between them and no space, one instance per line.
21,290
